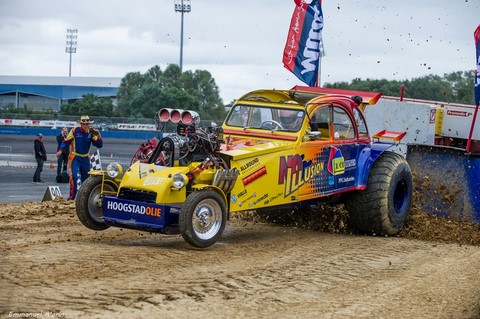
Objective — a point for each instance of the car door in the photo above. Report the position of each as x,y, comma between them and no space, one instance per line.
342,164
330,159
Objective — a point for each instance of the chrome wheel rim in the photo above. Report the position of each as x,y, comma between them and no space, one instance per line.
207,219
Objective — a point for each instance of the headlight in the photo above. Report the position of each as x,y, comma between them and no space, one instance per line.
178,180
114,169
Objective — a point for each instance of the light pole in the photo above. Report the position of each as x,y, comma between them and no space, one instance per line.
71,46
182,6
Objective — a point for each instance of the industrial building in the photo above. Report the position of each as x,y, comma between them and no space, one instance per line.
50,92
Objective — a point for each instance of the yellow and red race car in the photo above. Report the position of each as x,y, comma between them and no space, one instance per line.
276,149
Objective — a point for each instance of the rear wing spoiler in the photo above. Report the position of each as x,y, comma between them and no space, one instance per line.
389,136
369,98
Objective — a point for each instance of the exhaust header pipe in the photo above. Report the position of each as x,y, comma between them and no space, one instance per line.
176,116
164,115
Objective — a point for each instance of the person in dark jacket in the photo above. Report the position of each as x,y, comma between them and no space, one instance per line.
63,158
80,139
40,156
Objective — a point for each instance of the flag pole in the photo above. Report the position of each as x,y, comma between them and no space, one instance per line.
319,77
476,35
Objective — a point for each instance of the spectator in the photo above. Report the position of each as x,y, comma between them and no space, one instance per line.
40,156
63,158
80,139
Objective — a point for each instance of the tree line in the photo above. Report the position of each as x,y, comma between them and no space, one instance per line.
143,95
455,87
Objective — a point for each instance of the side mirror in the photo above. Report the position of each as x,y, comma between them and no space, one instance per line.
314,135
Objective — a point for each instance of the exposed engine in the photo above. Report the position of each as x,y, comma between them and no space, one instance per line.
190,143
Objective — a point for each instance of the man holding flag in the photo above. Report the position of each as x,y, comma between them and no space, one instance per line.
302,51
80,139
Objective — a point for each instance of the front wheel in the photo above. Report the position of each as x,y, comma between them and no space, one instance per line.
89,202
203,218
383,207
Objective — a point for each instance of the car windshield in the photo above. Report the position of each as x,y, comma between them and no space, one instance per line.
266,118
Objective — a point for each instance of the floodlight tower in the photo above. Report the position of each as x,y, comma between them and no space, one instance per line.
71,46
182,6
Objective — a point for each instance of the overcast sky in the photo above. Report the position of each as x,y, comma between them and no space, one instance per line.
239,42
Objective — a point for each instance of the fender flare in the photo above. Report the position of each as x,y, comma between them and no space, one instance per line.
106,179
218,190
366,160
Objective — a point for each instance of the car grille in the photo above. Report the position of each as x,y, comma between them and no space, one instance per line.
137,195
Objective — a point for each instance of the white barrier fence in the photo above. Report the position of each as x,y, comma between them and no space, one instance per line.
28,160
54,124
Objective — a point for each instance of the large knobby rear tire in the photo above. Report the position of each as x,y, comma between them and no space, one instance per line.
383,207
89,202
203,218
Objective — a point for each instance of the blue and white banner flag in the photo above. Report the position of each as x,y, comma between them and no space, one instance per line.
302,51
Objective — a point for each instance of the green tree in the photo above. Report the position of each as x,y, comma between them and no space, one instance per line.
462,84
455,87
130,85
171,76
89,104
390,88
143,95
154,74
203,88
430,87
151,98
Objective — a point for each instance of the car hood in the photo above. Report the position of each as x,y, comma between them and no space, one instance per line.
240,148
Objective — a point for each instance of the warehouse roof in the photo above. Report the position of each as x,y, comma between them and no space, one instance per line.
60,87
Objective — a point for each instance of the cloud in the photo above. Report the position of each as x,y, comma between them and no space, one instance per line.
240,43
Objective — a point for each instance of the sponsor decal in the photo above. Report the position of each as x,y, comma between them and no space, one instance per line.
136,127
346,179
258,200
336,162
458,113
350,163
134,209
254,195
234,199
331,180
244,192
294,172
250,197
272,199
152,180
249,164
433,115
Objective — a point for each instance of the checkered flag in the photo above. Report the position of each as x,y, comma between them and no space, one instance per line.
79,181
95,162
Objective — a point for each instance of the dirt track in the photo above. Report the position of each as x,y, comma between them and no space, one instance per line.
53,267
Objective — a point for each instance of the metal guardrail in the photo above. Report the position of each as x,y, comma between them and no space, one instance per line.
122,158
6,154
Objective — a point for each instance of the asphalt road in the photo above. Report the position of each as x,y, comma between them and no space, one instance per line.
17,168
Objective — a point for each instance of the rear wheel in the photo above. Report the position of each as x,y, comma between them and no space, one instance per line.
89,202
203,218
383,207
